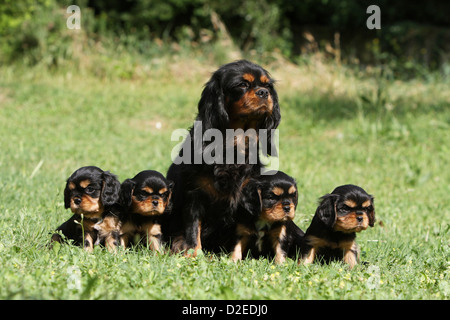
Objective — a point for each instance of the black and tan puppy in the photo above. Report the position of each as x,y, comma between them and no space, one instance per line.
332,233
264,218
146,200
91,194
240,96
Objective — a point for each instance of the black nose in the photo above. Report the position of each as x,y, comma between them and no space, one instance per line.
359,218
262,93
287,208
77,201
155,203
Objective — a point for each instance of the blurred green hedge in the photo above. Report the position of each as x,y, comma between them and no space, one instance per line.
414,34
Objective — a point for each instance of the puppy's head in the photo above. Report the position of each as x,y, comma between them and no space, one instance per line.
148,193
89,190
239,95
347,209
272,197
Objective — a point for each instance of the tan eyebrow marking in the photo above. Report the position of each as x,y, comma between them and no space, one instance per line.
278,191
366,203
292,190
162,190
248,77
148,189
85,183
71,185
350,203
264,79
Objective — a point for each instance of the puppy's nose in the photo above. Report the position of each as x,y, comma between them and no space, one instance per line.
155,203
262,93
77,201
359,218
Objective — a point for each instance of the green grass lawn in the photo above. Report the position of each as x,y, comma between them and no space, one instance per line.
390,137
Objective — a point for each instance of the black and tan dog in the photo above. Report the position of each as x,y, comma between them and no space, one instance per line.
332,233
145,199
264,218
91,194
239,96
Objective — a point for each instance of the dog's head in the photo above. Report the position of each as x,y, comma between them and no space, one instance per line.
148,193
271,197
89,190
240,95
347,209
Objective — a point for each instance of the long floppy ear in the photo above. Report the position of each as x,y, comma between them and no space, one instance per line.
371,214
271,123
296,197
126,190
211,107
67,196
110,190
326,211
251,199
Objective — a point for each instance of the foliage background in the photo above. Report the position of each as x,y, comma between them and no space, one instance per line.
369,107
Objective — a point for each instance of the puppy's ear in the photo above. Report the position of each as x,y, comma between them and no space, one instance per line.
67,194
326,211
211,108
126,190
371,214
251,199
170,184
110,190
296,197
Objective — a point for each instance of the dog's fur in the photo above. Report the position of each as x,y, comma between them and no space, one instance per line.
146,200
332,233
239,95
265,218
91,194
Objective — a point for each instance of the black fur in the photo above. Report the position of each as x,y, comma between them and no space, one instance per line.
206,196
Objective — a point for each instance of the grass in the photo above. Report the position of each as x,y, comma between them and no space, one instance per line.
339,126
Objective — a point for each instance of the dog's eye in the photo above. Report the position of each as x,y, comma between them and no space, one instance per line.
244,85
89,189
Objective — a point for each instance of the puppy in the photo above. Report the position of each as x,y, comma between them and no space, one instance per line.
264,218
146,200
239,95
332,233
91,195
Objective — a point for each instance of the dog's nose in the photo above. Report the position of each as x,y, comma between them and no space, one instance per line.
155,203
262,93
77,201
359,218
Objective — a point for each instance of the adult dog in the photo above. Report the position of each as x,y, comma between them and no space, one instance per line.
240,98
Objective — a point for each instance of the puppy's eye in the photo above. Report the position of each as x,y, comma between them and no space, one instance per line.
145,193
89,189
244,85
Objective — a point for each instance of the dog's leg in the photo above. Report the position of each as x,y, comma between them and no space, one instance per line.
351,254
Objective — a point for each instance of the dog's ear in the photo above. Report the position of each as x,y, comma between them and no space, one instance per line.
270,123
296,197
251,199
170,184
67,194
211,107
126,191
326,211
371,214
110,190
